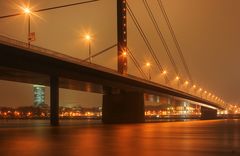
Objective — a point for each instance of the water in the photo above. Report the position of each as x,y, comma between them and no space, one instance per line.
192,138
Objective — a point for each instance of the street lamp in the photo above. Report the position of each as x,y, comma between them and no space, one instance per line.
164,73
28,12
124,54
194,89
186,83
178,81
88,38
205,93
200,92
149,68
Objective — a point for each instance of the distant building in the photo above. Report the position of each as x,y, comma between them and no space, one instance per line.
39,95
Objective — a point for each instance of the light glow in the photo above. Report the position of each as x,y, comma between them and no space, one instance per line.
148,64
27,11
88,37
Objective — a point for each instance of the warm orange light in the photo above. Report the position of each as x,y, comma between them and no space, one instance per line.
164,72
177,78
186,82
26,10
124,53
88,37
194,86
148,64
200,89
205,92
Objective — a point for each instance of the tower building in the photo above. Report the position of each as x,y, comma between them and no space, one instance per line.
39,95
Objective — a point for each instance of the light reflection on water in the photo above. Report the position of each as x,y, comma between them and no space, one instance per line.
216,137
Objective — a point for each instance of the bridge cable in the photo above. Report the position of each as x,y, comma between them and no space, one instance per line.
100,52
175,40
52,8
136,63
139,28
130,54
150,13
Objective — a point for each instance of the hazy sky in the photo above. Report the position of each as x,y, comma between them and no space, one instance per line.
207,30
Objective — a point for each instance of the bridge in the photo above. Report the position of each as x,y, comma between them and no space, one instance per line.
123,94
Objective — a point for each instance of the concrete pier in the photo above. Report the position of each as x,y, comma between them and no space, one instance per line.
123,108
208,113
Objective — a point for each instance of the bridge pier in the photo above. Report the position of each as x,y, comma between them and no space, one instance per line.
54,100
123,108
208,113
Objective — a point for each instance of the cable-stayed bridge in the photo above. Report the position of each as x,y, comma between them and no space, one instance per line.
124,94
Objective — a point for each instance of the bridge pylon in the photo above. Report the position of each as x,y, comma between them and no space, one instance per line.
122,36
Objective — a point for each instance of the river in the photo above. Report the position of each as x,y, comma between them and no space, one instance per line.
191,138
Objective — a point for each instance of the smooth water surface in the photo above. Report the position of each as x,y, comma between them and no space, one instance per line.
192,138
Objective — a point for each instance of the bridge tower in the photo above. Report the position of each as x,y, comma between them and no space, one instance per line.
122,36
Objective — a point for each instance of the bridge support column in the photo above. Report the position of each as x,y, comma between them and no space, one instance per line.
123,108
208,113
54,100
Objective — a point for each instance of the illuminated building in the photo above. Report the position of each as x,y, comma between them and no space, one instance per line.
39,95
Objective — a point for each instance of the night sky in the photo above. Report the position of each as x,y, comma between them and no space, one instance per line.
208,33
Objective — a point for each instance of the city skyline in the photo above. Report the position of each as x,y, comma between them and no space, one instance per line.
68,97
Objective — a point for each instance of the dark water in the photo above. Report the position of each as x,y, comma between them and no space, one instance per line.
192,138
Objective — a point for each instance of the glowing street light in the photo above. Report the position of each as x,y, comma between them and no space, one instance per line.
149,68
124,53
148,64
177,78
200,91
178,82
164,72
27,11
88,38
186,83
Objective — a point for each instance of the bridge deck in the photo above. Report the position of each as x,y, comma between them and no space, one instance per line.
23,64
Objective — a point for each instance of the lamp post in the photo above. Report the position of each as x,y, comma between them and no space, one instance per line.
178,81
88,38
194,89
164,73
186,84
27,12
149,72
200,91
